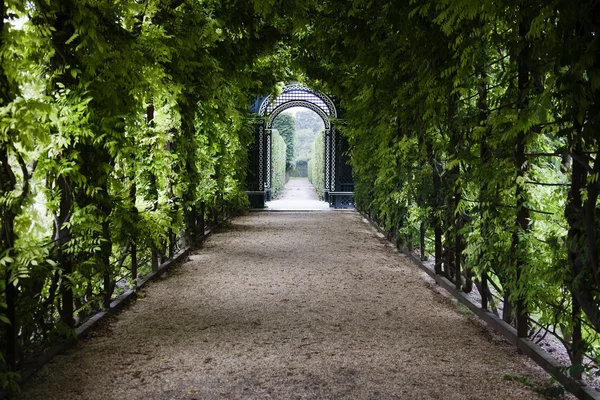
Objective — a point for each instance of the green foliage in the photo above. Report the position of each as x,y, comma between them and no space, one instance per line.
477,125
303,141
122,126
316,173
308,126
278,154
308,119
285,124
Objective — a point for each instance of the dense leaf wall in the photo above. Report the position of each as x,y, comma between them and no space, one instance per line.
123,133
316,172
286,125
278,153
474,131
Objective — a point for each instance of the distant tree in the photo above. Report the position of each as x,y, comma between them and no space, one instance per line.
309,120
303,141
286,125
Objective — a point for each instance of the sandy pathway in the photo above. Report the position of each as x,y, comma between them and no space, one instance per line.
290,306
298,194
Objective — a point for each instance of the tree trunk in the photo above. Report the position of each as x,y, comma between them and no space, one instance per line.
7,237
484,154
437,221
133,230
522,215
65,261
9,210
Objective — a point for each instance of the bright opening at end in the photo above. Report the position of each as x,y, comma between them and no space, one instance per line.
299,184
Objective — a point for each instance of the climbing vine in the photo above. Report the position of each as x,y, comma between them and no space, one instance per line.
278,154
473,129
316,164
285,124
123,133
474,137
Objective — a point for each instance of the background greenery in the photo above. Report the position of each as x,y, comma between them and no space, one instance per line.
474,135
286,125
124,129
316,165
473,127
308,124
278,154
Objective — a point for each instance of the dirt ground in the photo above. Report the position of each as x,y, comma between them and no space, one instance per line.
292,306
298,194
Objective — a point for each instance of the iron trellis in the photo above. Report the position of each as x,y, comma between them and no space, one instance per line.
339,194
298,92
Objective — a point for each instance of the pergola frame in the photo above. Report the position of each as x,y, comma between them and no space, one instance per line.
338,183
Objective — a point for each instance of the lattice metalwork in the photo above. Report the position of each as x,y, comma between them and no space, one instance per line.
344,201
327,159
261,157
339,183
344,169
333,140
298,103
297,92
253,163
269,164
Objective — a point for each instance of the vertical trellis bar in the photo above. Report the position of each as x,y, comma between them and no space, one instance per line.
107,290
11,328
448,250
522,215
437,187
134,216
134,265
577,340
457,248
171,244
154,257
201,223
422,240
484,291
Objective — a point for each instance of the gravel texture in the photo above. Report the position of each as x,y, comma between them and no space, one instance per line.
298,194
291,306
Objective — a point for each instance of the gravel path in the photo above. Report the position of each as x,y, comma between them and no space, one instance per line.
298,194
291,306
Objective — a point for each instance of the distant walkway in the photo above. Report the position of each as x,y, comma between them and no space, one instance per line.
291,306
298,194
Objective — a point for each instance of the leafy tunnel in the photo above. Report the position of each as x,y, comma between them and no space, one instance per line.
472,130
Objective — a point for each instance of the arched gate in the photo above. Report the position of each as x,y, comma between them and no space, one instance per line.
338,180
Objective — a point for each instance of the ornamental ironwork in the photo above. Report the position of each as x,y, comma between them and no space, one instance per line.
327,160
332,186
298,92
261,159
338,184
269,164
298,103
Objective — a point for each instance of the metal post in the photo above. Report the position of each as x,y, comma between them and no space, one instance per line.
171,244
134,265
107,290
484,291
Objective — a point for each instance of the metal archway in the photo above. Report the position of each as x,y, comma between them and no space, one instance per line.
338,180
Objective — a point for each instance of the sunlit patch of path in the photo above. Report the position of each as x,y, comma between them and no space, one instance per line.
291,306
298,194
